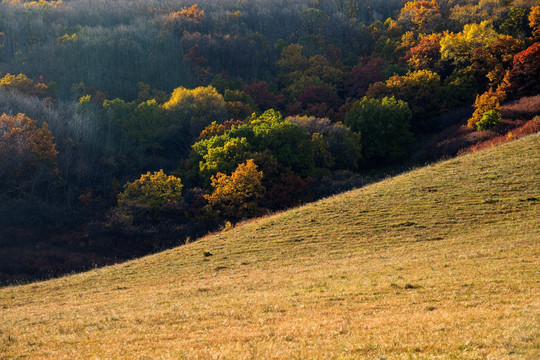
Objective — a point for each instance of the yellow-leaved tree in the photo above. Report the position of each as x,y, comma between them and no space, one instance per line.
191,110
152,191
534,22
237,196
459,48
485,102
23,84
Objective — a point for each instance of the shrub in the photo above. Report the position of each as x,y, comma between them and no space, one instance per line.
525,108
489,120
530,127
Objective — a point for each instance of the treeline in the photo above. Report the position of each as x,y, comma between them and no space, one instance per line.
112,45
129,127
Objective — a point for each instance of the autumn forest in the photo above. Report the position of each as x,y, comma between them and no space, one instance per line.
128,127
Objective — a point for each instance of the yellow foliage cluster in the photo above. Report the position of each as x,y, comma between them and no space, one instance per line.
23,84
20,134
534,22
422,15
459,47
67,38
36,4
237,196
397,82
16,82
202,94
152,190
233,15
486,102
192,13
199,106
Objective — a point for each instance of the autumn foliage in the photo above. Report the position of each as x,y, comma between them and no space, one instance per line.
215,129
426,54
177,20
23,84
420,15
522,78
27,154
191,110
255,105
20,134
152,191
534,21
238,196
420,89
362,75
486,102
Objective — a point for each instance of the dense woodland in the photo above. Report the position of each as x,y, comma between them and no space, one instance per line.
128,127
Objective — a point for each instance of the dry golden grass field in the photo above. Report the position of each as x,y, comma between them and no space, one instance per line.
439,263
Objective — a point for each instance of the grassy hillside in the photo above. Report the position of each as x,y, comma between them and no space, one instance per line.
441,262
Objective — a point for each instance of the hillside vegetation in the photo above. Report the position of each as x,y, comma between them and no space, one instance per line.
127,127
441,262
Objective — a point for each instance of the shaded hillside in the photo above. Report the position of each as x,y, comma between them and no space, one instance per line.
441,262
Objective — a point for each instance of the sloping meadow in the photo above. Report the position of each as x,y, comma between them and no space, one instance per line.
441,262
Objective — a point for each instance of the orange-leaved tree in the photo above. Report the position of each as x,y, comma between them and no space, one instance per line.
180,20
27,154
426,54
522,79
486,102
238,196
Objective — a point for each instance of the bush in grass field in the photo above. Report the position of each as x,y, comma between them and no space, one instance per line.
489,120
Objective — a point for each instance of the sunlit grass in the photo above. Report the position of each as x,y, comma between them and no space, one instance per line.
442,262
